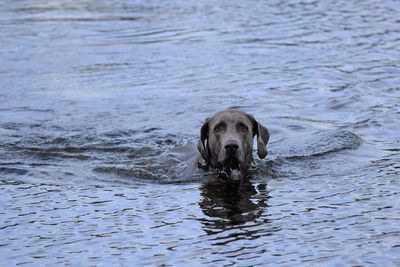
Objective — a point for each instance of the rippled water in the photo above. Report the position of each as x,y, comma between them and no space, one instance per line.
100,102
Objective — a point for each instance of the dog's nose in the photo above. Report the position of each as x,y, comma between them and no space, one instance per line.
231,147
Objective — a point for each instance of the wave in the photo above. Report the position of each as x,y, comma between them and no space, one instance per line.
121,154
316,145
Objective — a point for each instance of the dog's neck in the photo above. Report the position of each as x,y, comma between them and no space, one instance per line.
224,174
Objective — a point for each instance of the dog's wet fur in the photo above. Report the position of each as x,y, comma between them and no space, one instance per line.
226,142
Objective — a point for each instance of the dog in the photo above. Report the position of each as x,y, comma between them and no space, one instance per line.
226,142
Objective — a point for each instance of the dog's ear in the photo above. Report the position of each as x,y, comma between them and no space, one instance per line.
201,145
262,137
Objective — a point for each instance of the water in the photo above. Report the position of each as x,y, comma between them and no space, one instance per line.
100,100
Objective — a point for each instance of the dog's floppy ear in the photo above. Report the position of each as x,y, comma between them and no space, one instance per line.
262,137
201,145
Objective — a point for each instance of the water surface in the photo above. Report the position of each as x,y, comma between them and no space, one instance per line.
100,99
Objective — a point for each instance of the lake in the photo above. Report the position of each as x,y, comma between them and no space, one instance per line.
100,99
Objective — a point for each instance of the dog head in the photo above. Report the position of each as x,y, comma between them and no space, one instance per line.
226,140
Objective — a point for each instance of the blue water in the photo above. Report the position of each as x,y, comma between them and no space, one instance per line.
99,101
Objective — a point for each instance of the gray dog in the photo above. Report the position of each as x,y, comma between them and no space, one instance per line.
226,142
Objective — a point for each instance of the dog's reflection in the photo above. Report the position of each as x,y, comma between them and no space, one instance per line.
232,203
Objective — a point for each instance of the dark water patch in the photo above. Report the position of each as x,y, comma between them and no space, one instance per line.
232,203
53,152
121,133
16,171
149,130
12,126
137,173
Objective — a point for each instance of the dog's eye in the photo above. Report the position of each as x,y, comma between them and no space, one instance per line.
217,129
243,129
